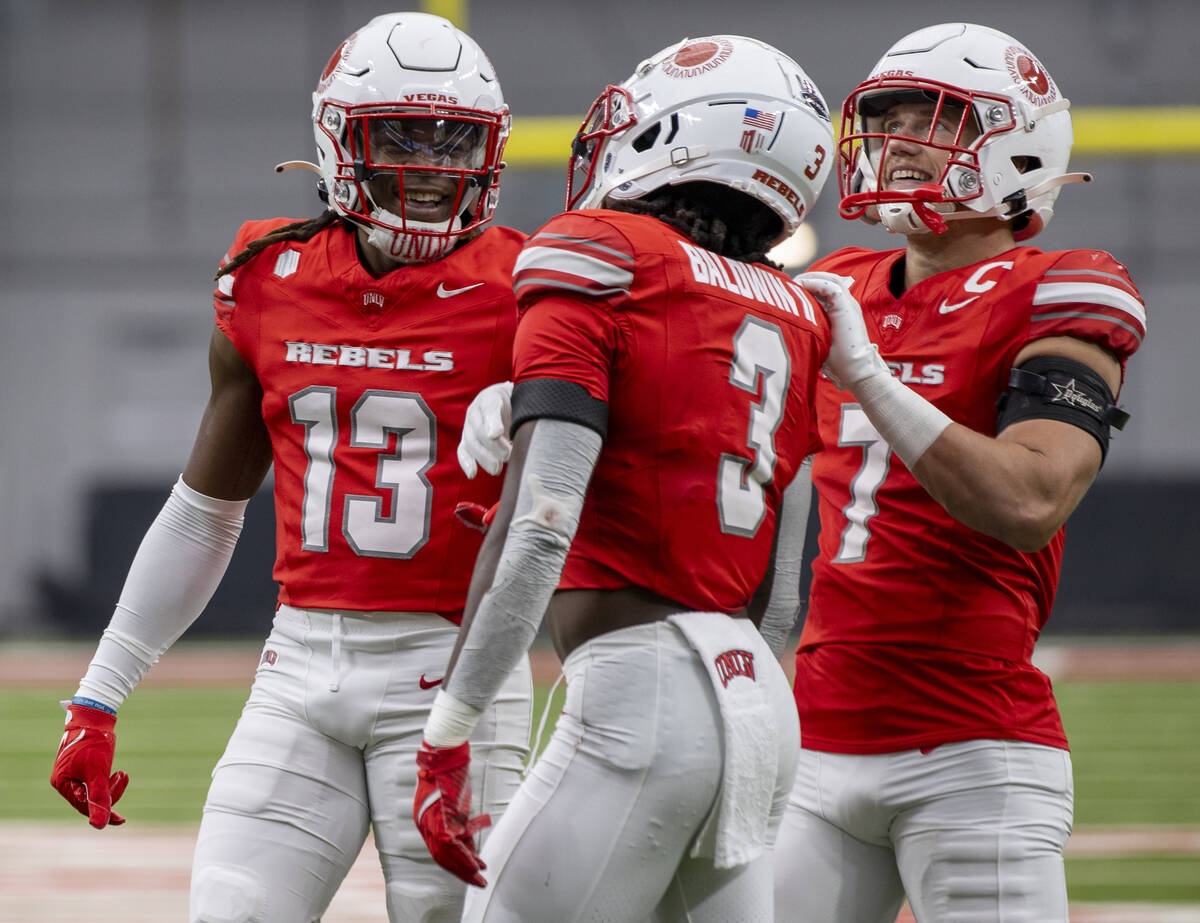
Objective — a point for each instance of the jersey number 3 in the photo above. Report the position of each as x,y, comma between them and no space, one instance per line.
375,419
759,352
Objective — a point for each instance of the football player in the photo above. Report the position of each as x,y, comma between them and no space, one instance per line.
934,763
345,351
661,409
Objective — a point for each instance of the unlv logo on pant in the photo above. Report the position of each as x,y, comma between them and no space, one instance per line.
734,663
268,657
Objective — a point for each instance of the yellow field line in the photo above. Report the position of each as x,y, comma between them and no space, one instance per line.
1131,131
1148,130
454,10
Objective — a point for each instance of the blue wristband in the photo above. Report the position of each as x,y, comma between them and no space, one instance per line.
92,703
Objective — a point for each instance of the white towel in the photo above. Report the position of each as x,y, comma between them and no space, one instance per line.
735,831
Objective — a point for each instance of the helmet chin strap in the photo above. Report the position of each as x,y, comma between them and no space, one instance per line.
924,215
412,248
925,212
911,218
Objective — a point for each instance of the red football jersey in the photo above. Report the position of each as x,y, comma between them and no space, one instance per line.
707,366
365,386
920,629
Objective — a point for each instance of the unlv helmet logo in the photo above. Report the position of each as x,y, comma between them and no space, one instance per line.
1029,75
334,62
698,58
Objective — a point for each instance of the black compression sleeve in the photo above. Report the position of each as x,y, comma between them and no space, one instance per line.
558,399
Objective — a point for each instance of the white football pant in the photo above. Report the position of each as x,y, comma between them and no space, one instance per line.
326,748
602,827
972,832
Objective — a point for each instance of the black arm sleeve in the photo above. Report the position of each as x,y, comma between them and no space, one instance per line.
558,399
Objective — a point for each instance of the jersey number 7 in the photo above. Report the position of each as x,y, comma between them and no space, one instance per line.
856,429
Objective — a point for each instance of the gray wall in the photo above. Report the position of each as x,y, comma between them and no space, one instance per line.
140,134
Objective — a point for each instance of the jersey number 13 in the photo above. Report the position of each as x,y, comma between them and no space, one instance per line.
375,419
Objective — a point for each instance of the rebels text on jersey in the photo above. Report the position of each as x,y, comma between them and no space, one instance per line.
920,629
365,384
707,366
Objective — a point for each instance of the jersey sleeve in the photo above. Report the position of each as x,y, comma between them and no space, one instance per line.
575,254
571,278
567,339
224,300
1089,295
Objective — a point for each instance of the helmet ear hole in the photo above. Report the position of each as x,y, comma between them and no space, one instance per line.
646,139
1026,163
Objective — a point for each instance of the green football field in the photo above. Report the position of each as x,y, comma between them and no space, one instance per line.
1135,749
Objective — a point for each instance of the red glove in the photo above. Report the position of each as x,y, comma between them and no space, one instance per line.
84,761
476,515
441,808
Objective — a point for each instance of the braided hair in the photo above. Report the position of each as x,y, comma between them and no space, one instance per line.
712,216
297,230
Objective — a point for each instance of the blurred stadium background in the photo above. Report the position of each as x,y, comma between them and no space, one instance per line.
142,132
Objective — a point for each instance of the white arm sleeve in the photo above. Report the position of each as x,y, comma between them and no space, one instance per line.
783,605
173,575
554,480
907,422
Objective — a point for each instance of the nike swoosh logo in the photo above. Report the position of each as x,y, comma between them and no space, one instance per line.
430,800
443,292
946,308
429,683
70,743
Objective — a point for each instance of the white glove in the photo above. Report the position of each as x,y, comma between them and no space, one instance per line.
485,441
852,356
907,422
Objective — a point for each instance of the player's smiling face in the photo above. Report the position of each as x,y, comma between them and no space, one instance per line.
919,137
428,195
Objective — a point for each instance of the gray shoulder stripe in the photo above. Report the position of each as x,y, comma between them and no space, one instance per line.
1088,316
1087,272
584,242
582,289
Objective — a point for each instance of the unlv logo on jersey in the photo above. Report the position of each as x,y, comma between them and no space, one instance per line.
734,663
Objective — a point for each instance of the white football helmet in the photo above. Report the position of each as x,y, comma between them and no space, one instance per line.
722,109
410,126
1008,137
